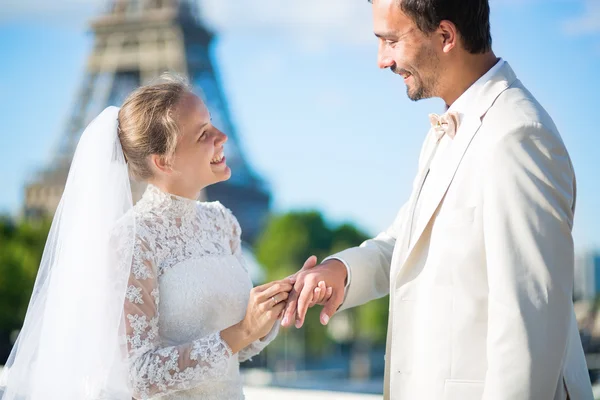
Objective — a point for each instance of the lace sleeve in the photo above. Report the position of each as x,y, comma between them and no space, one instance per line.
155,369
259,345
236,249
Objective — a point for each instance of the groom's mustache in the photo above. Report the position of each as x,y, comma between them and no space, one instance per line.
400,71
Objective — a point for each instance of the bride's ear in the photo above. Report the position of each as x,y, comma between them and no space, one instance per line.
160,163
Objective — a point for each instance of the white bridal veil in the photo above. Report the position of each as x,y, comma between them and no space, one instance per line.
72,345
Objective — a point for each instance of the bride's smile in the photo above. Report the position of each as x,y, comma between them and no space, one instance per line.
219,158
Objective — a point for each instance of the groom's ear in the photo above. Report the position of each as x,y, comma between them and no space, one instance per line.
448,35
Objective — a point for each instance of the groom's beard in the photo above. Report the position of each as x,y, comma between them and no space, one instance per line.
422,87
416,90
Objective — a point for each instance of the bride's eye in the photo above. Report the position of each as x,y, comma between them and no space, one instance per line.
202,136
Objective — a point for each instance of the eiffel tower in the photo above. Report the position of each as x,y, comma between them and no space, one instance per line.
134,42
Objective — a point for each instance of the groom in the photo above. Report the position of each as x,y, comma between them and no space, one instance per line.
479,261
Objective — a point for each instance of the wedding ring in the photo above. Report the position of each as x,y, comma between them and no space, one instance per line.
274,300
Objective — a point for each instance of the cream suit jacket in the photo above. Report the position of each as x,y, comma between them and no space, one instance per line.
481,295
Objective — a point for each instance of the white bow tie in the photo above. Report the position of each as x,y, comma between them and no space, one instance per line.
445,124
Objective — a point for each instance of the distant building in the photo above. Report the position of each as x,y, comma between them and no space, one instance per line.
587,276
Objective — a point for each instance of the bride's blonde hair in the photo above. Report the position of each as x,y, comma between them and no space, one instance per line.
146,124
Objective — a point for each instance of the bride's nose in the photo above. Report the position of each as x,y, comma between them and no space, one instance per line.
220,138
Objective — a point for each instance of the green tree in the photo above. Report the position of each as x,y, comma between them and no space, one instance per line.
287,240
21,248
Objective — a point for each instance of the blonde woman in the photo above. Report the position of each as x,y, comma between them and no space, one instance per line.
146,301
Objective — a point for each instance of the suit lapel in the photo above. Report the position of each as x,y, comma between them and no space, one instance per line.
399,251
441,182
469,127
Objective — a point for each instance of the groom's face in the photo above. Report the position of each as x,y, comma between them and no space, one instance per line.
405,50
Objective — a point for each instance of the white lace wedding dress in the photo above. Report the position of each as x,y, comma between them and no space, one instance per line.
188,282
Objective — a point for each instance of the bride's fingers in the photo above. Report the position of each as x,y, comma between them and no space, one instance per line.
281,314
287,282
277,311
277,289
262,288
276,299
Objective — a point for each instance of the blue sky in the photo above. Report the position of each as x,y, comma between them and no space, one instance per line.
316,117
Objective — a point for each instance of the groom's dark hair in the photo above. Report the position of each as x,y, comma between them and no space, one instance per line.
471,17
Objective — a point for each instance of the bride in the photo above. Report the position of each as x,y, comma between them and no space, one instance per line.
151,300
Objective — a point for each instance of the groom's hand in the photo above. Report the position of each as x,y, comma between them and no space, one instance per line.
333,273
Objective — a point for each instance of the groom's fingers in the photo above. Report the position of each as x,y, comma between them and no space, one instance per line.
315,298
322,291
319,295
304,301
289,315
328,294
290,312
309,263
331,306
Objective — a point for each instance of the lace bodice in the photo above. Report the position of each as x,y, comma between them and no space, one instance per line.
187,283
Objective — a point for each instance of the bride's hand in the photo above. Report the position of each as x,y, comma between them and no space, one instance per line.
265,307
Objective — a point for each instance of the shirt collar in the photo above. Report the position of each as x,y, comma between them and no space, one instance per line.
465,101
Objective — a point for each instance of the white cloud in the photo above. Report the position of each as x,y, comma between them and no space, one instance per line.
588,23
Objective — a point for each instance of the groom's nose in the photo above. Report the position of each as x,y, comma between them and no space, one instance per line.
384,61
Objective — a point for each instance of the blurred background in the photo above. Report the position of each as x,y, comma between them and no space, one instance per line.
323,145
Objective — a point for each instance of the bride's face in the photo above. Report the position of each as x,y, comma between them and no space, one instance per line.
199,158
